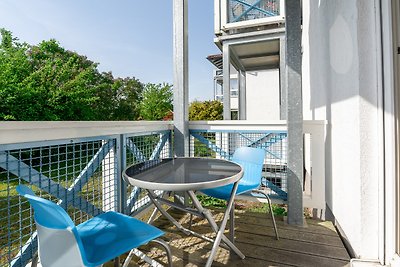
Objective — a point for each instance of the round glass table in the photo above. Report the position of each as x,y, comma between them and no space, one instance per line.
183,174
189,174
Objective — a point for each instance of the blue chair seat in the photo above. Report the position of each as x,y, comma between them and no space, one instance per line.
91,243
111,234
224,192
252,160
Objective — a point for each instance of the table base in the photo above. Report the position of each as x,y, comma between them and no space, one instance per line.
200,211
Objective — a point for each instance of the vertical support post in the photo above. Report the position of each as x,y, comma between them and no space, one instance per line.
226,81
119,184
283,78
294,112
242,95
121,148
181,91
110,178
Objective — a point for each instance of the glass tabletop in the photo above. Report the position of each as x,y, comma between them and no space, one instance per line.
183,174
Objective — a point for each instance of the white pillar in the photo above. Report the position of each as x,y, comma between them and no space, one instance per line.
181,71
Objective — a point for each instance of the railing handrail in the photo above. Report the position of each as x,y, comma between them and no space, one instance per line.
32,131
248,125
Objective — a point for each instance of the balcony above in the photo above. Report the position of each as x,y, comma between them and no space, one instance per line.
235,16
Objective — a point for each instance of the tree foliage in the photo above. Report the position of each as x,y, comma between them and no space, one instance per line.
205,110
156,101
48,82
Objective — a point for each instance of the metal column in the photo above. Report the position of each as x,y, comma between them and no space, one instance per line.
294,112
283,79
181,70
226,81
242,95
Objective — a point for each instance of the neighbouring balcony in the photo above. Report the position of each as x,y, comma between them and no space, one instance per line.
236,14
79,164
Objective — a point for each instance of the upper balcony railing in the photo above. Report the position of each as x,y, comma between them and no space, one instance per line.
235,14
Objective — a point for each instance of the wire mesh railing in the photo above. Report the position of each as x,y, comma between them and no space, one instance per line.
219,139
82,175
140,148
223,143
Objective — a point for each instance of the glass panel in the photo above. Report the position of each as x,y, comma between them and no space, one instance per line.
234,84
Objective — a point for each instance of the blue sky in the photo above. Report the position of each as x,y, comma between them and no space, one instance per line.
127,37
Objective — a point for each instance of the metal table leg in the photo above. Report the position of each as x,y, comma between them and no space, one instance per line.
219,230
153,198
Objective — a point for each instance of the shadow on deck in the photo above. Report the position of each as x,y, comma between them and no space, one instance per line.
318,244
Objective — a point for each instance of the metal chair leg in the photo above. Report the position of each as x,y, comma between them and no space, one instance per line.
232,224
152,216
146,258
270,211
35,260
167,249
190,221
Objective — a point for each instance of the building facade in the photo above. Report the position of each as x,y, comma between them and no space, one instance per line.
349,78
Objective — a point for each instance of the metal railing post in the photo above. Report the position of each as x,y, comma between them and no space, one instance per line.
294,112
121,148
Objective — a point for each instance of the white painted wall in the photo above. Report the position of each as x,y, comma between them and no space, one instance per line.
262,95
341,84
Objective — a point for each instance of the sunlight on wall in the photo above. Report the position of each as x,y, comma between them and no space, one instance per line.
340,52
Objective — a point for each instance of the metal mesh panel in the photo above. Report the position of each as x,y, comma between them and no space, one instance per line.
242,10
223,145
80,176
140,148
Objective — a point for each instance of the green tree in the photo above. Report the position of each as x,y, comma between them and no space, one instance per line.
66,82
48,82
206,110
128,96
14,67
156,101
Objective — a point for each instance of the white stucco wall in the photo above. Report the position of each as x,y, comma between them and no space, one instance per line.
262,95
341,85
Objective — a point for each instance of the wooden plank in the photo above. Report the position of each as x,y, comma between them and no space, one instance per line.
255,238
290,234
266,222
245,225
293,245
314,226
288,244
288,257
193,251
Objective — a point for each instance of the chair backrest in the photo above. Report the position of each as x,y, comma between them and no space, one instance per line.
59,242
252,160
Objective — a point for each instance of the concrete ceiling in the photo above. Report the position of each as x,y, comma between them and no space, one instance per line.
257,55
252,56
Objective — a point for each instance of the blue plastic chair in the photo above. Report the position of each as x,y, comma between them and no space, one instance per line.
252,160
91,243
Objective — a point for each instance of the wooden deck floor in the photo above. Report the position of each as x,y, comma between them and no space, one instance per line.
318,244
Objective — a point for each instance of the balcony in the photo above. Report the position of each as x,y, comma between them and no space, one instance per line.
78,165
240,14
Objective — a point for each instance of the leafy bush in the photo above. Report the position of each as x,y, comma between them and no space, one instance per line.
207,110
